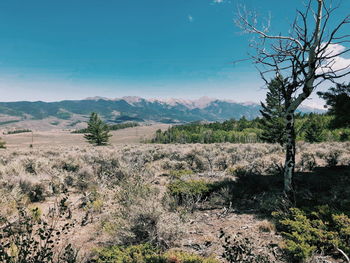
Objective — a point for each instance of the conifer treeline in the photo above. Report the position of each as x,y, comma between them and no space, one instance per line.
113,127
309,127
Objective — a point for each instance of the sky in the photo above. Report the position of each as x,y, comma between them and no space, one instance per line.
72,49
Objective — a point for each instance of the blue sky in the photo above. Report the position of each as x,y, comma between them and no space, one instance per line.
72,49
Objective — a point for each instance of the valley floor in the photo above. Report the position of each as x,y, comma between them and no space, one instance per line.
173,196
66,138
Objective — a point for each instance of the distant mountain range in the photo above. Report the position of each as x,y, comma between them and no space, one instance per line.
131,109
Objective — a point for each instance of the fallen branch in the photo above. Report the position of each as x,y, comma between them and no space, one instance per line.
343,253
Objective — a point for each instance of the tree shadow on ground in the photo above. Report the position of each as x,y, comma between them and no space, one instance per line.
263,194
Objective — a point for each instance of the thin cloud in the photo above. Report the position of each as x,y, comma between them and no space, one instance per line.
218,1
190,18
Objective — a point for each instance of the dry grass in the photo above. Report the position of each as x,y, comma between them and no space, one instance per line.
118,193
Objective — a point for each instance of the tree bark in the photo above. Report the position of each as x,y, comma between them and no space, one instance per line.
290,154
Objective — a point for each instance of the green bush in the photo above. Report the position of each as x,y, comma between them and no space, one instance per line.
145,253
320,230
189,191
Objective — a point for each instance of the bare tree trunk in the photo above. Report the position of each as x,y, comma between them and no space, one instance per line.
305,58
290,154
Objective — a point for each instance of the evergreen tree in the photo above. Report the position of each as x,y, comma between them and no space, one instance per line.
272,122
97,131
338,100
314,129
242,124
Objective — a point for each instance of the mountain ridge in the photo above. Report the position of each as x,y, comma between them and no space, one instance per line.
132,108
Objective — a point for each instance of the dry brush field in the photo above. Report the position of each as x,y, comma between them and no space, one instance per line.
173,196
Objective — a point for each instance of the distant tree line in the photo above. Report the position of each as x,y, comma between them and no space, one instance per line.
309,127
241,131
112,127
19,131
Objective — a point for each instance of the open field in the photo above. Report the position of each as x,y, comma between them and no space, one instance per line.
66,138
136,193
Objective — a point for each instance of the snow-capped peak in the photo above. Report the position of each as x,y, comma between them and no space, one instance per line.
131,99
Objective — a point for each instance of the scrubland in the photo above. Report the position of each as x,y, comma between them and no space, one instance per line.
183,201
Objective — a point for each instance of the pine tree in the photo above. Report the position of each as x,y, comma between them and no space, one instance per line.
338,102
272,122
314,129
97,132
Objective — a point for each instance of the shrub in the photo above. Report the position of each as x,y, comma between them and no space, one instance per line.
195,161
67,165
35,192
178,174
33,239
320,230
270,202
141,218
185,257
85,179
188,193
68,180
30,166
332,158
109,170
70,167
127,254
308,161
146,253
266,226
240,250
192,192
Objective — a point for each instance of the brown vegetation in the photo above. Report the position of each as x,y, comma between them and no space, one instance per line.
169,196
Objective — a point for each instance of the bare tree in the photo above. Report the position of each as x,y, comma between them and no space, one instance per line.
304,58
